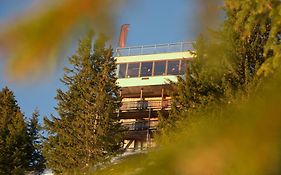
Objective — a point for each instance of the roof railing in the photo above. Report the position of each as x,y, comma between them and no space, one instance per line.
154,49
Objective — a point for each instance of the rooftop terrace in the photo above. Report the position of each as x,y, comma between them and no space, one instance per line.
154,49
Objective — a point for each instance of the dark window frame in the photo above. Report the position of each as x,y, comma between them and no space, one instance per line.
126,68
139,63
185,62
141,69
165,69
178,68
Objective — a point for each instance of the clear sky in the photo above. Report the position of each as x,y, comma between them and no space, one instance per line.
151,22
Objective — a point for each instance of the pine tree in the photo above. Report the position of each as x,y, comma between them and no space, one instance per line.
251,18
36,140
14,140
225,65
202,86
87,129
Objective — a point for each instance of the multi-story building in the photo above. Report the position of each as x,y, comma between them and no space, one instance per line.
143,75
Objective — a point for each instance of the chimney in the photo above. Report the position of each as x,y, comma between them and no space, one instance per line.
123,35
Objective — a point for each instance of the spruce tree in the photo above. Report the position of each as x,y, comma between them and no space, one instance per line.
249,18
87,129
225,65
37,161
201,86
14,139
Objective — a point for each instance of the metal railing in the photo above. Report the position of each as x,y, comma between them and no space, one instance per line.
154,49
144,104
140,125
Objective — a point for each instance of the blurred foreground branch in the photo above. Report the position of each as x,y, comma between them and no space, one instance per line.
33,42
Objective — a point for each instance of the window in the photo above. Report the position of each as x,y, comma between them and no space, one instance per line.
146,69
133,70
159,68
183,67
122,70
173,67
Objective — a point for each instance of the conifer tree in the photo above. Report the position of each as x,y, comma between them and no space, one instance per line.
37,161
225,65
14,139
249,18
201,86
87,129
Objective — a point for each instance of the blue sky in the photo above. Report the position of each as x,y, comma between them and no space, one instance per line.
151,22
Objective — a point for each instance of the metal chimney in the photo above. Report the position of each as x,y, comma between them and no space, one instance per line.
123,35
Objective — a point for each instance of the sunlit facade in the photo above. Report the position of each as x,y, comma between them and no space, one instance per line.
143,74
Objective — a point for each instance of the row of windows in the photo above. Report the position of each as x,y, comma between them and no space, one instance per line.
151,68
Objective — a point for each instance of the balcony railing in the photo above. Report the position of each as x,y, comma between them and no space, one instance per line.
144,104
154,49
140,125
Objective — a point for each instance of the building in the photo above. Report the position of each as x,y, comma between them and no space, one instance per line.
143,75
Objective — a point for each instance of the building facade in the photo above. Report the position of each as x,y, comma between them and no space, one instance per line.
143,74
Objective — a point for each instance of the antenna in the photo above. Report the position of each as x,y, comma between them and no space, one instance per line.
123,35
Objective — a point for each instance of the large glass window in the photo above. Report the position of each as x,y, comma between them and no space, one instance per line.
122,70
146,69
173,67
159,68
183,67
133,70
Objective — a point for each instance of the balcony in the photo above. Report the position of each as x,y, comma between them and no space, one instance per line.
141,125
139,130
144,105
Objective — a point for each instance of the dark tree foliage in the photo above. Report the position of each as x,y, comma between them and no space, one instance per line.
244,55
37,162
87,129
257,23
201,86
225,66
14,138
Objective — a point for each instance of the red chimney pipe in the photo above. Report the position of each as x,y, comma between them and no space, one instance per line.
123,35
